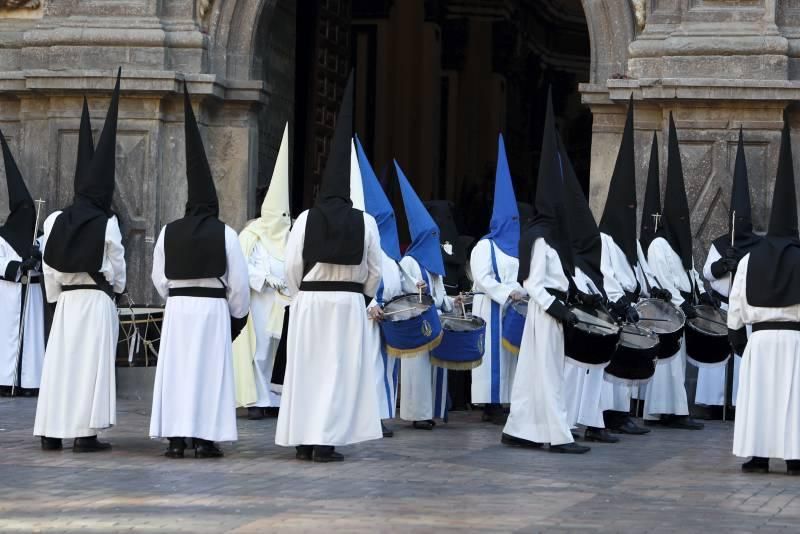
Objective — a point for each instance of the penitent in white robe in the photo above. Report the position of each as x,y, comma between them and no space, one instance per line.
768,401
11,292
423,386
329,395
494,282
666,392
538,410
194,391
77,395
387,368
263,312
711,380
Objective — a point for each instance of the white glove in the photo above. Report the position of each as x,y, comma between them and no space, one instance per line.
275,282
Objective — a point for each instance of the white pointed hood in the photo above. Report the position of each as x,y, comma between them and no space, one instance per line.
272,227
356,185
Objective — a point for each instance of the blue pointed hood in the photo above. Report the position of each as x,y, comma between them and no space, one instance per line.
425,245
377,204
504,226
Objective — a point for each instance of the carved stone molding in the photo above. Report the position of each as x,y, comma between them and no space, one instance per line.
20,4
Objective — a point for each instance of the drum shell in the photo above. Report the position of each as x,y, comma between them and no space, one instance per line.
408,337
704,348
589,349
151,333
513,327
632,365
669,342
460,349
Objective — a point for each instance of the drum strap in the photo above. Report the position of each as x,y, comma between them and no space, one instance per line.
494,335
776,325
557,293
719,296
100,284
199,292
348,287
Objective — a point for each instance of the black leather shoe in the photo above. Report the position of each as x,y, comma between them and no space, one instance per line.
90,444
756,465
793,467
569,448
325,454
304,452
271,412
423,425
629,427
511,441
52,444
600,435
176,448
254,413
499,418
683,422
207,449
387,432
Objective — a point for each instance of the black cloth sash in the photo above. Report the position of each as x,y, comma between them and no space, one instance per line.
100,284
776,325
348,287
199,292
557,293
719,296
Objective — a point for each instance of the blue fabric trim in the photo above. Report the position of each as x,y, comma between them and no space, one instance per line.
495,336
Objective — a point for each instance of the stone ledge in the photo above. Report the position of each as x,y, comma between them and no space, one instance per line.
663,89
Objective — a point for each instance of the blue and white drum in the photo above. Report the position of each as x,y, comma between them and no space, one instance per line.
463,342
410,325
516,311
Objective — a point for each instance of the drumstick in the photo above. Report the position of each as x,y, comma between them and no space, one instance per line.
710,320
605,326
399,311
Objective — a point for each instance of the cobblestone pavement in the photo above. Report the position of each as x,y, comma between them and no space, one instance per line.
455,477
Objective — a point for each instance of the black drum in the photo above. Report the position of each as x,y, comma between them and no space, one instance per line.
634,361
707,337
666,320
139,336
592,342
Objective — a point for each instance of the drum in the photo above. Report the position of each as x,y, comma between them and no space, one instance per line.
707,337
592,342
666,320
139,336
634,361
462,343
410,325
516,311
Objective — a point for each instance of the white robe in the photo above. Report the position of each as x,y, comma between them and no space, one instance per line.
768,402
423,387
11,292
268,333
77,395
586,392
329,395
666,392
493,378
387,368
194,392
538,410
711,380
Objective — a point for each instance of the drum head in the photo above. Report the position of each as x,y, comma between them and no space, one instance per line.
638,338
520,306
594,321
406,307
666,317
710,321
457,323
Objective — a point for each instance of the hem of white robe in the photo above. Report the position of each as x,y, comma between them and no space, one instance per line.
197,435
328,443
538,434
80,433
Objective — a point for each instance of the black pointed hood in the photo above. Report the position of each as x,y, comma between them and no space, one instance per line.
334,229
773,272
85,149
194,246
587,245
744,238
20,224
675,223
651,210
77,240
550,219
619,214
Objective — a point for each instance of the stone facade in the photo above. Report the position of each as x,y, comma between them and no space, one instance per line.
717,64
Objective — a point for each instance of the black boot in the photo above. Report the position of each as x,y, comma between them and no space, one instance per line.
681,421
424,425
272,411
206,449
304,452
387,432
490,412
176,448
600,435
793,467
90,444
325,454
52,444
756,464
569,448
254,413
5,391
512,441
